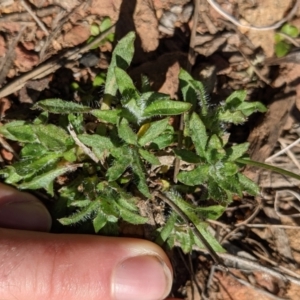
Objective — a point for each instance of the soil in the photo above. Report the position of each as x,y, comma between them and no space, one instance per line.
227,58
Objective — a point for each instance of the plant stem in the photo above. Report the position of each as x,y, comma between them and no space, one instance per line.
190,62
192,226
267,167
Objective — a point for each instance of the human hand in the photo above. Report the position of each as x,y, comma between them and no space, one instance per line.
38,265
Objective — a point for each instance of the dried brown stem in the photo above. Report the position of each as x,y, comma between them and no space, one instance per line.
52,65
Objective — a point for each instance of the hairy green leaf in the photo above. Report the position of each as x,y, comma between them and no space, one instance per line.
235,117
101,145
195,177
193,91
58,106
109,208
165,232
80,203
126,133
149,157
214,151
201,226
236,151
46,180
166,108
51,137
121,58
99,222
228,169
185,239
118,168
77,122
28,167
215,191
10,175
110,116
212,212
236,95
4,129
155,129
127,201
248,185
187,155
132,217
145,84
139,174
164,140
188,91
198,134
248,108
126,86
82,215
42,118
22,133
34,150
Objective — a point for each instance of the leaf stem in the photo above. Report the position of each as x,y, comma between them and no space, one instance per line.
267,167
190,63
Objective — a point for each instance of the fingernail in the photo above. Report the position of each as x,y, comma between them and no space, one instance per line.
25,215
142,277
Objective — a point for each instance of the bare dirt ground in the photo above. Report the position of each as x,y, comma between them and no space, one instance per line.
41,54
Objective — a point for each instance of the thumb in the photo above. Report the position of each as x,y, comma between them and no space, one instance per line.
37,265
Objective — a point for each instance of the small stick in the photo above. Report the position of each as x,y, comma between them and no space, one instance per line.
194,229
255,69
84,148
51,66
7,147
248,284
279,214
236,22
283,150
272,226
6,61
238,262
289,153
253,215
38,21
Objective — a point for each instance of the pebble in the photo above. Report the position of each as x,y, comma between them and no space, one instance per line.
89,60
177,13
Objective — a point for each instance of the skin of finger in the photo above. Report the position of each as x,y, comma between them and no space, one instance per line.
36,265
20,210
8,193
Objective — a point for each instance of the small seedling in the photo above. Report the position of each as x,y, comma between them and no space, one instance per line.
112,173
283,39
97,29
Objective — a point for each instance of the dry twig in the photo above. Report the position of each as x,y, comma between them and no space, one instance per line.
84,148
235,21
52,65
33,15
283,150
10,54
277,197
